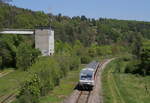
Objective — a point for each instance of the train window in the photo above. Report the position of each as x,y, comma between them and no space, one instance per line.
83,77
86,77
86,74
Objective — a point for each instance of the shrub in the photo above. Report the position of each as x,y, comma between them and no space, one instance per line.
85,59
132,67
30,91
27,97
92,52
64,63
74,62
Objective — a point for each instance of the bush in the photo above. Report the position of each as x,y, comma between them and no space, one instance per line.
92,52
74,63
64,63
132,67
127,58
27,97
30,91
46,82
25,56
85,59
145,58
49,73
142,67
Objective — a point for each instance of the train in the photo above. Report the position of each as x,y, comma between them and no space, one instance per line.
87,75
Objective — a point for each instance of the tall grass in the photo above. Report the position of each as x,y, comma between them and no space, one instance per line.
119,87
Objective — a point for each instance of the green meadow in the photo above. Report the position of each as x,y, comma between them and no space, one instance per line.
119,87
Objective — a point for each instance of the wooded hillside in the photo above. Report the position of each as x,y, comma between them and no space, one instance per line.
88,31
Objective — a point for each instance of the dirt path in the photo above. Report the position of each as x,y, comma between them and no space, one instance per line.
5,73
94,96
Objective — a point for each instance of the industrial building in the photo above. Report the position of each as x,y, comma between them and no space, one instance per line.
44,41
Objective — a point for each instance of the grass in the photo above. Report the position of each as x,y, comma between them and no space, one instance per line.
65,88
119,87
11,82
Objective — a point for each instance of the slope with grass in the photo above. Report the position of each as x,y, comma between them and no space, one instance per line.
119,87
65,88
11,81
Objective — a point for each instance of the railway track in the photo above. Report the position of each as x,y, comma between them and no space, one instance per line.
83,97
9,98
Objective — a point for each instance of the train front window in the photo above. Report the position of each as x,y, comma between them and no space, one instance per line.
86,77
83,77
89,77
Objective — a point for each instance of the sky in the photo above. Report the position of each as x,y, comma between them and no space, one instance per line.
116,9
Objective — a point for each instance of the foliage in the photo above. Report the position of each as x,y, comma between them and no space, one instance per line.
145,58
25,56
7,50
119,87
74,62
30,91
49,71
81,35
85,59
140,65
132,67
16,49
88,31
65,88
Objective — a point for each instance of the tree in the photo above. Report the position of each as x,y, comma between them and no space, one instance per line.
24,56
145,58
8,50
92,50
83,18
136,45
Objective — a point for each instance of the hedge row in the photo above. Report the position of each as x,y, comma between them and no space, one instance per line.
46,74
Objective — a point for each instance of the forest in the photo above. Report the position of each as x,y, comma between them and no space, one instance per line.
79,39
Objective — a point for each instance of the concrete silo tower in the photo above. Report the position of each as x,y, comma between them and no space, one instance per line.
44,41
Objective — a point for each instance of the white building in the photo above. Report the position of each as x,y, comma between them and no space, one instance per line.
44,41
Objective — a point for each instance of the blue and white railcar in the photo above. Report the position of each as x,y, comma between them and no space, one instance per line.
87,77
87,74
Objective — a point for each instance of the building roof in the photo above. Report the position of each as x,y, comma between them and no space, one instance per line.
44,27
